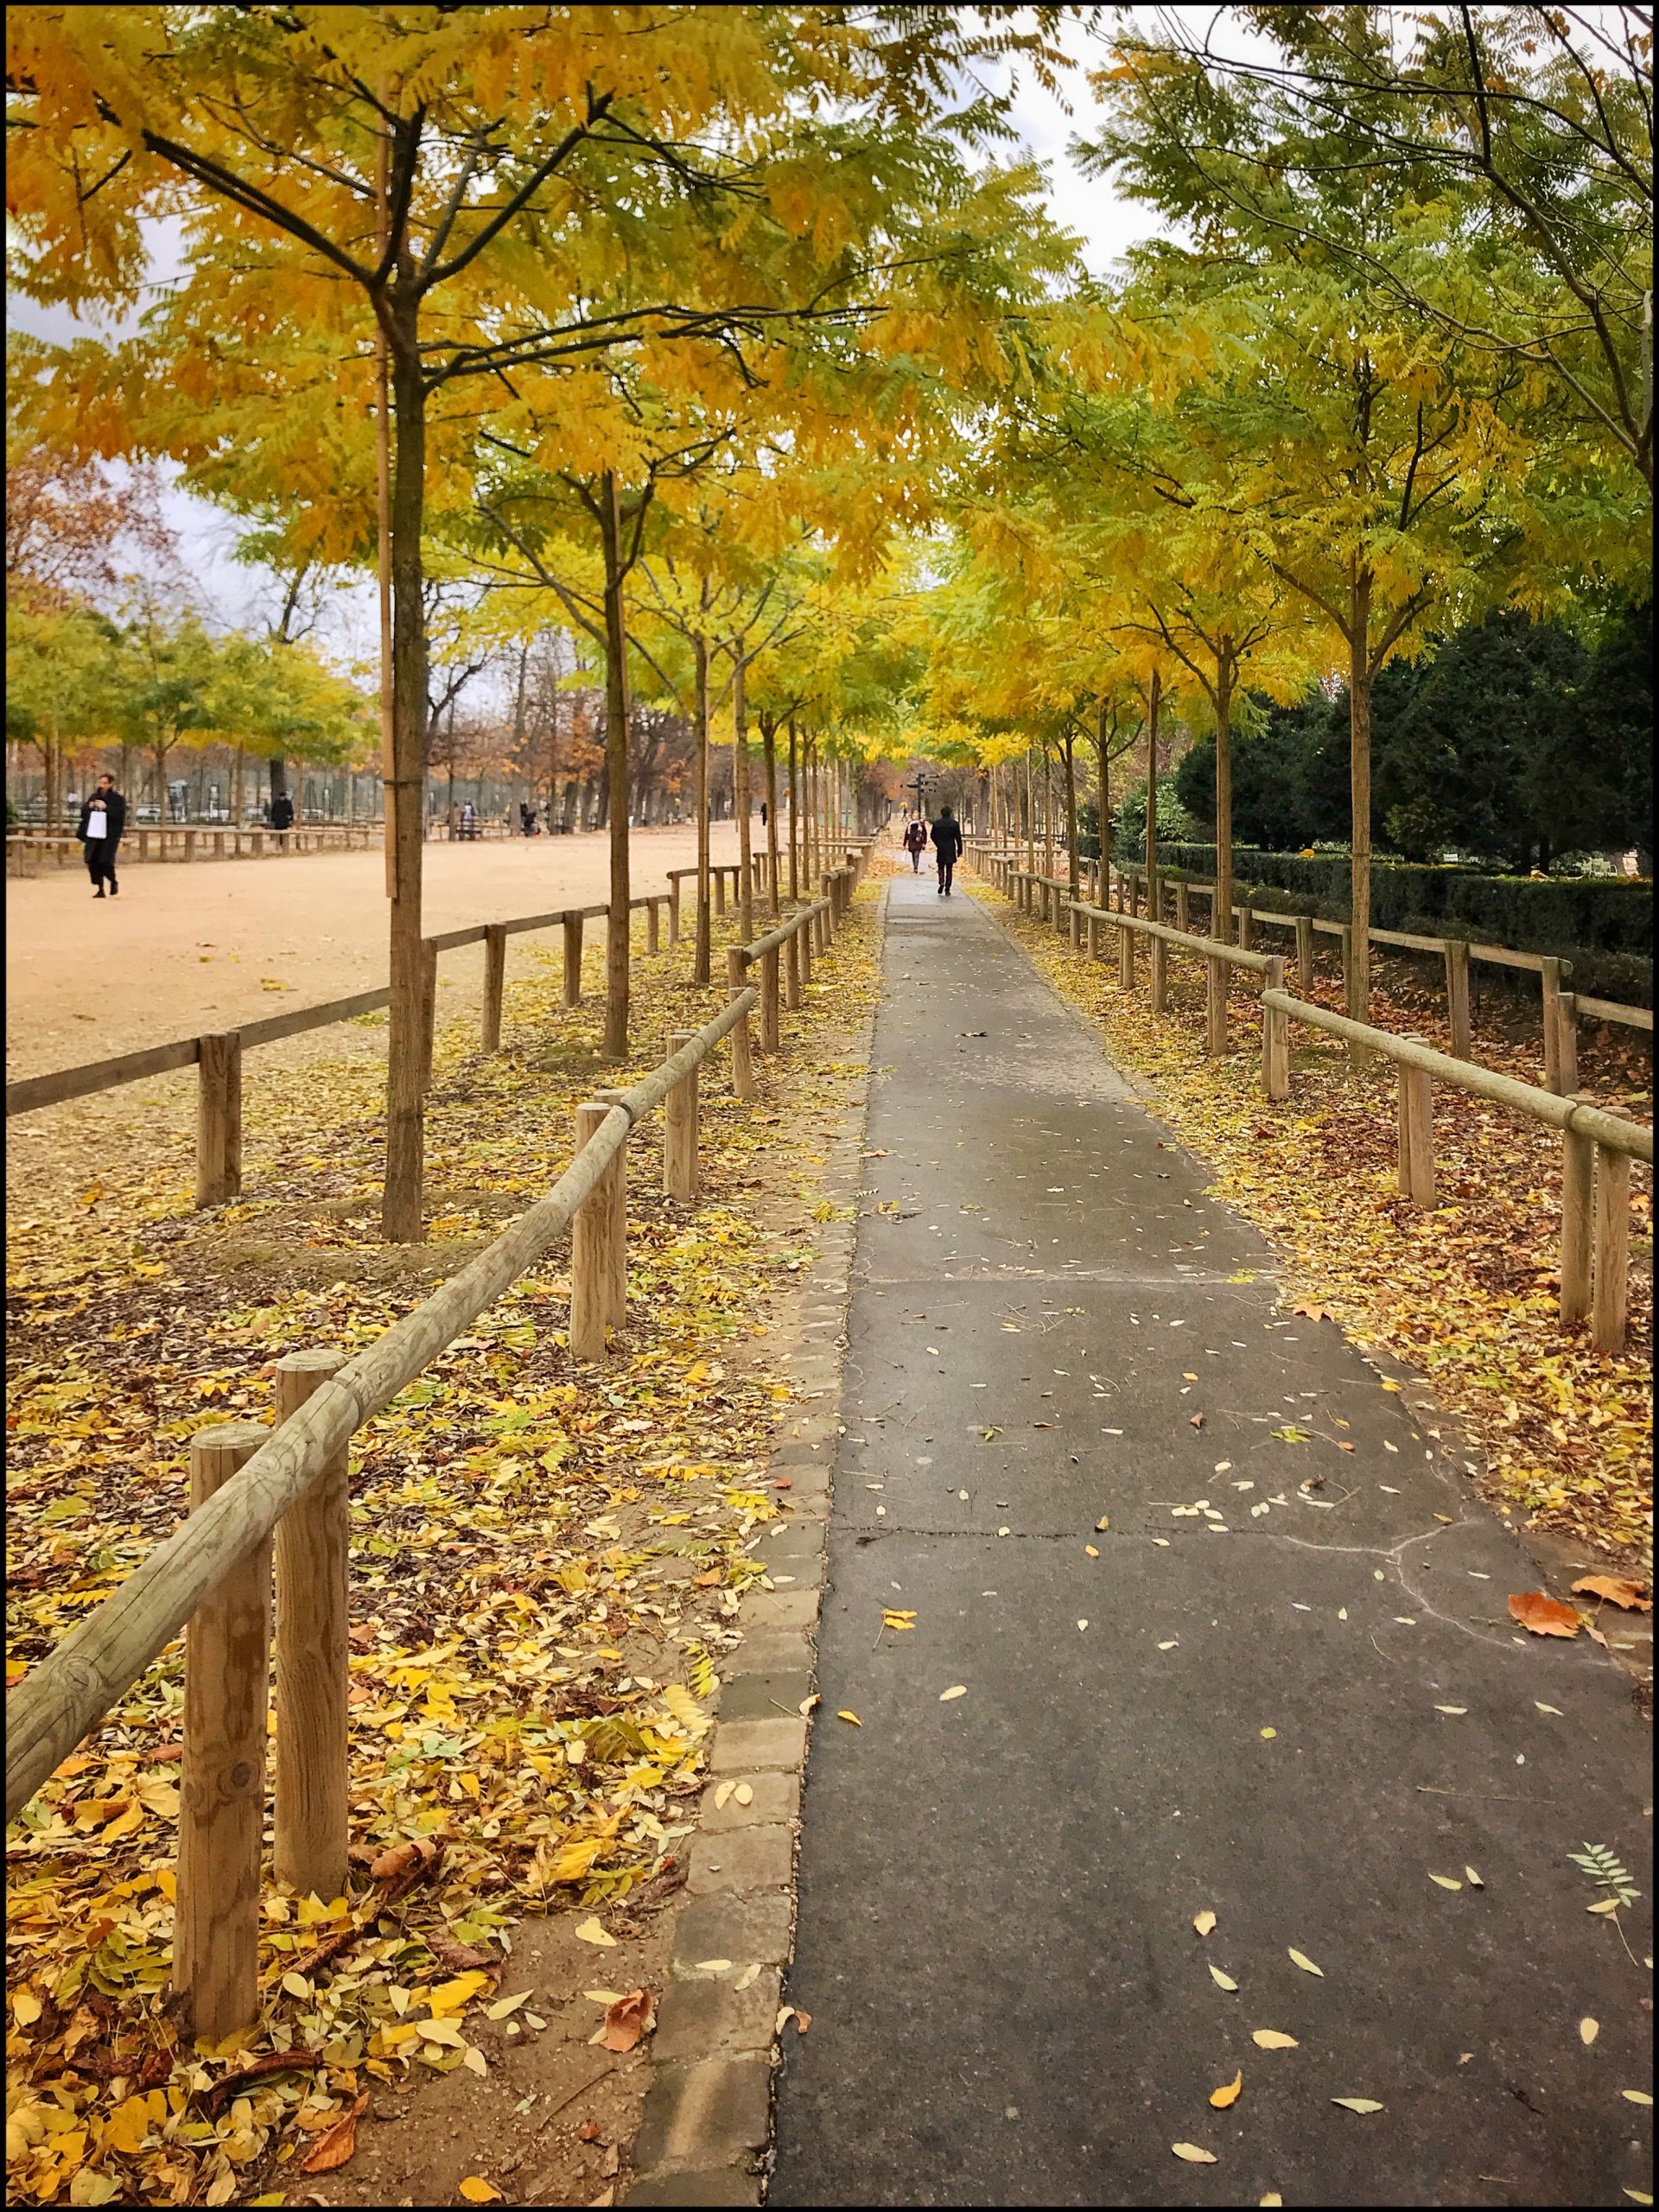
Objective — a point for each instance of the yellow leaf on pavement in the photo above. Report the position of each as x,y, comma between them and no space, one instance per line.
589,1931
1193,2155
1300,1958
1358,2104
477,2190
1271,2039
1222,1980
1228,2093
1203,1921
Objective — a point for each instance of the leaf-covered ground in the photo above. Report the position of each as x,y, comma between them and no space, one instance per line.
546,1562
1466,1294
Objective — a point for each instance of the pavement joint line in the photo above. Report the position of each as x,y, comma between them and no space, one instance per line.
698,2137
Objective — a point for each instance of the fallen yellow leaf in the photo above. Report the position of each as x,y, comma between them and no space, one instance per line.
1589,2030
1228,2093
853,1716
957,1689
477,2190
1300,1958
1203,1921
1358,2104
589,1931
1222,1980
1271,2039
1193,2156
1446,1881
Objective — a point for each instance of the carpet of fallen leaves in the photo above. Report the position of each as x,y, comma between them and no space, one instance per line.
547,1560
1466,1294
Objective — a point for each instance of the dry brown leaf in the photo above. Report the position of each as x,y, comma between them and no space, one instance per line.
419,1851
1633,1597
629,2019
1541,1614
337,2146
1228,2093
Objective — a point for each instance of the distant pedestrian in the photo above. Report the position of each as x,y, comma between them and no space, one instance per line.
469,820
916,843
526,818
282,812
947,846
102,818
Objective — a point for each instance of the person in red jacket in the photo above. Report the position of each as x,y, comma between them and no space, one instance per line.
916,844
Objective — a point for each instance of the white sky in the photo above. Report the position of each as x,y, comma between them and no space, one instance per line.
232,594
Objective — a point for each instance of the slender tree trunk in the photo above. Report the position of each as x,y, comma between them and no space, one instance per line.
701,958
769,756
1157,693
1224,914
618,928
400,1205
1031,817
741,795
1103,804
1071,812
794,817
1359,783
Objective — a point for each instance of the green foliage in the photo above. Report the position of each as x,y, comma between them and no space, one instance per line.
1605,1872
1129,821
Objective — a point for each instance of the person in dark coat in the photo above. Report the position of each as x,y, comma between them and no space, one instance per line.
102,818
282,811
946,834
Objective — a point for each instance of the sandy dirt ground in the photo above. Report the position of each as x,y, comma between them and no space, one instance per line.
186,948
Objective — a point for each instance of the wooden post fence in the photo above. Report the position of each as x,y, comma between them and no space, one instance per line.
1276,1034
313,1672
573,959
599,1244
737,979
222,1774
1416,1135
218,1117
1214,1006
1577,1234
495,981
680,1116
1610,1295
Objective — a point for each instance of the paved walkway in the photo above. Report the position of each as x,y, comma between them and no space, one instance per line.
1288,1718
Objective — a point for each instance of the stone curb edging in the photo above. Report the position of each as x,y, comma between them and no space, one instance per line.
707,2124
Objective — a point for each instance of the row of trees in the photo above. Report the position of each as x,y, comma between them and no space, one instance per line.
1390,373
723,342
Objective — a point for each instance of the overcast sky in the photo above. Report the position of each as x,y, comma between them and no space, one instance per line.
233,595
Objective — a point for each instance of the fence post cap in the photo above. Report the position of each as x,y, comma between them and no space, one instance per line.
318,1360
233,1435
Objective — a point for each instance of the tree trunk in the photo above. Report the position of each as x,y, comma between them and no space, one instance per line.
700,969
769,742
1030,818
1072,813
794,815
1103,803
1152,797
400,1205
1359,786
740,796
1222,920
617,926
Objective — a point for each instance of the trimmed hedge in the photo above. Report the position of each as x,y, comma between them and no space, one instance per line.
1603,924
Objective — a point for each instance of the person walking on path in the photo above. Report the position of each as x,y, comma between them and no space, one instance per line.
282,814
102,818
916,844
947,843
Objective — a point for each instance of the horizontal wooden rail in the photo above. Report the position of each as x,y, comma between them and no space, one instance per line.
1635,1138
70,1691
1202,948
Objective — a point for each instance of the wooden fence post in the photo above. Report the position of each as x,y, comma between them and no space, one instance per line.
573,959
1567,1042
495,980
1182,904
1276,1034
804,936
673,910
1305,953
222,1775
1215,1005
1072,920
737,981
598,1248
772,1031
718,877
311,1826
1610,1295
1551,974
1578,1174
680,1114
1415,1143
1456,995
792,970
1159,974
1094,936
429,1007
1125,959
218,1117
653,925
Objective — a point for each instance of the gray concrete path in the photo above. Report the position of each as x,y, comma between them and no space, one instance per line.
1288,1718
